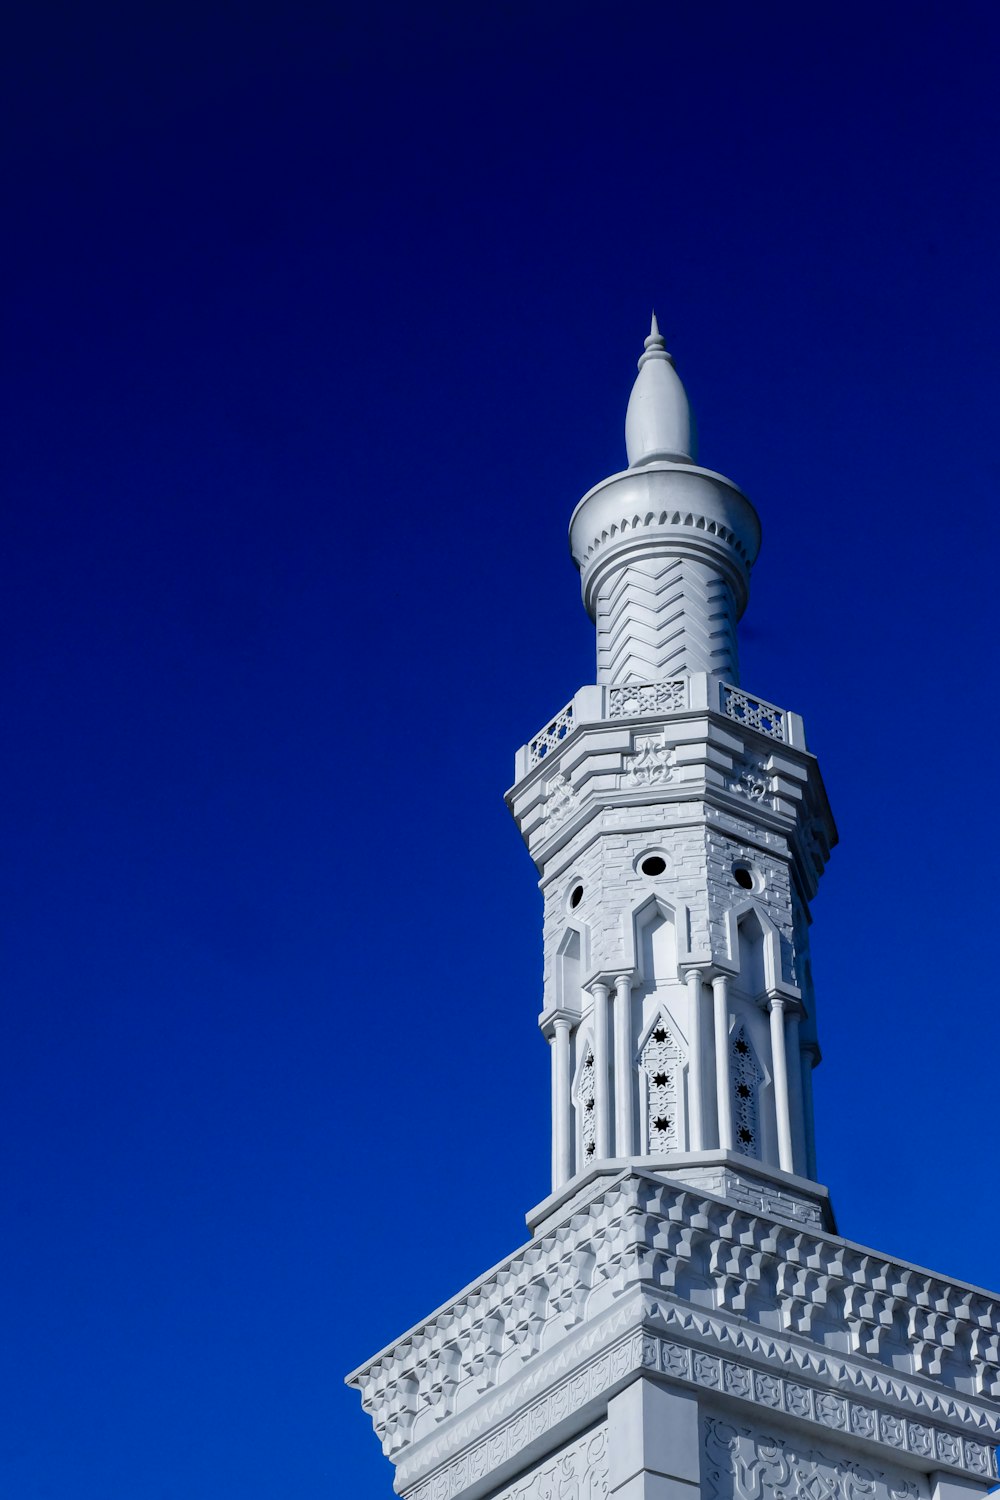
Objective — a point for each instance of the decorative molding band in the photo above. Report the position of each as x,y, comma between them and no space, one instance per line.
530,1407
480,1461
844,1373
790,1295
628,525
492,1441
856,1419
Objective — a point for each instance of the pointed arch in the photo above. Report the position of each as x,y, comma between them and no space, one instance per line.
760,938
747,1076
643,912
662,1061
656,940
585,1102
571,959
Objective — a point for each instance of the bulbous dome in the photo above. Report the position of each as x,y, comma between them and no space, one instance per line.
658,424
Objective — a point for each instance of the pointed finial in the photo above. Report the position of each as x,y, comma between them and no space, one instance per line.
653,345
658,423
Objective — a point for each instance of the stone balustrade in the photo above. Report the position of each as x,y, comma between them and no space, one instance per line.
637,700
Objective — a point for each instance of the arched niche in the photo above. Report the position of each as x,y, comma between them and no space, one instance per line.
754,948
660,987
655,943
571,959
755,944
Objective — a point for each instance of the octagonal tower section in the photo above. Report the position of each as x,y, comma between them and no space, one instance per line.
679,826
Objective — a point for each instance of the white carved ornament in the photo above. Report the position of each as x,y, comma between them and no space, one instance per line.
661,1062
552,736
578,1472
754,713
559,801
653,761
745,1463
586,1103
637,698
871,1323
751,780
747,1078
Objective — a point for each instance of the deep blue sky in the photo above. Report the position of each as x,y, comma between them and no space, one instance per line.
320,321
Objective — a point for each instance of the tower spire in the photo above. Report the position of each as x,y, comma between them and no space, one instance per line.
664,548
658,423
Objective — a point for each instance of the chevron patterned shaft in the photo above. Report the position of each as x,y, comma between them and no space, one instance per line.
662,616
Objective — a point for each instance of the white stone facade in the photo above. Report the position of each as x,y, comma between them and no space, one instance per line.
768,1322
684,1323
679,828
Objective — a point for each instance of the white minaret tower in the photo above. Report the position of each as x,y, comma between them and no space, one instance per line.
685,1321
679,826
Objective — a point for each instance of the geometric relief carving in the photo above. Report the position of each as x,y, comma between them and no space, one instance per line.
647,698
745,1463
755,713
577,1472
661,1061
747,1078
469,1354
586,1101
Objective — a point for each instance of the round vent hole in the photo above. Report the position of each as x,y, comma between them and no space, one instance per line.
654,865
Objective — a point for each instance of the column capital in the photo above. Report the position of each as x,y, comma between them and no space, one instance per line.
781,1000
599,984
623,981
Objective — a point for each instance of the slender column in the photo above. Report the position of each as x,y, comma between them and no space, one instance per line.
624,1138
795,1090
779,1067
696,1069
562,1138
602,1134
723,1078
810,1057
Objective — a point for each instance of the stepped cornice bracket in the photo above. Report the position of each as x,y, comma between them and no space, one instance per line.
830,1325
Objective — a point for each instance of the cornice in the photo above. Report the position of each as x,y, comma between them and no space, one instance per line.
505,1433
788,1302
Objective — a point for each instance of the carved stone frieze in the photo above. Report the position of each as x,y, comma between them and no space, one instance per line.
528,1408
578,1471
829,1322
491,1436
748,1463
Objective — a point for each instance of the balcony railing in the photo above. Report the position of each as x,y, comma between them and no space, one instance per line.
632,700
753,713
